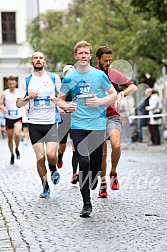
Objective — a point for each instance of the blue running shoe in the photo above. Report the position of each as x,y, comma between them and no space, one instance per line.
55,177
45,193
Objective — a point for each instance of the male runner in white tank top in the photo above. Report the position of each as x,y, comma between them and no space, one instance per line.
13,116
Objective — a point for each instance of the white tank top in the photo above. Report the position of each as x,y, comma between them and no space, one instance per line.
41,109
13,112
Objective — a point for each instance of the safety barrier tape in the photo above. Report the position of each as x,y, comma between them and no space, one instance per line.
147,116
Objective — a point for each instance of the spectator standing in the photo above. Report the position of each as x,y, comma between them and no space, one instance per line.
155,108
142,108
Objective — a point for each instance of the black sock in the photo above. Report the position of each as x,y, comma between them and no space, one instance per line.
16,150
74,162
52,168
59,156
45,184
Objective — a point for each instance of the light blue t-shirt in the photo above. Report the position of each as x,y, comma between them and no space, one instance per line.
81,86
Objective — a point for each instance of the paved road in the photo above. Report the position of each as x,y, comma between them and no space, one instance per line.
131,219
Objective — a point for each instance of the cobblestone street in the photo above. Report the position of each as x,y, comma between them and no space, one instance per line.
131,219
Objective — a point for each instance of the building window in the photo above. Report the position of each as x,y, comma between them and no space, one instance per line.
8,27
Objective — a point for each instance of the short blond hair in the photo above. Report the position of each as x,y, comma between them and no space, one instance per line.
82,43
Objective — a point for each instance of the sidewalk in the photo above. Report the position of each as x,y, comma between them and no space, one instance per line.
132,219
144,147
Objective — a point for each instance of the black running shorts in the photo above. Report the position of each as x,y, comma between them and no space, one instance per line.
43,133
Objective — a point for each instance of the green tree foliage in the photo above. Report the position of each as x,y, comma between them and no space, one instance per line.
154,12
153,8
115,23
48,33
